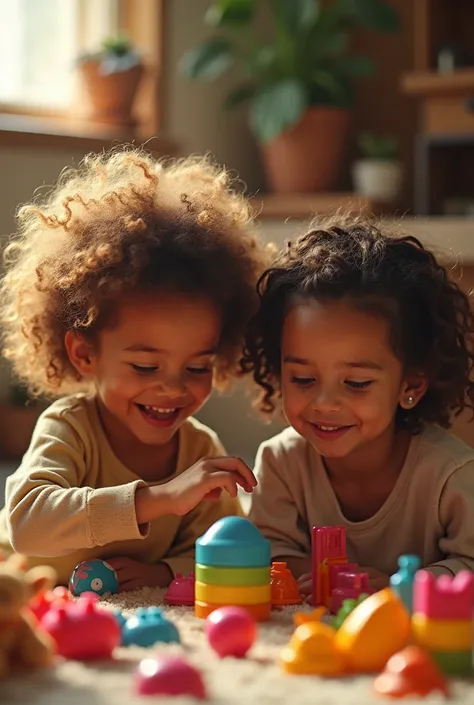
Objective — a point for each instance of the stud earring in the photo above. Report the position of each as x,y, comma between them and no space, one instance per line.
410,400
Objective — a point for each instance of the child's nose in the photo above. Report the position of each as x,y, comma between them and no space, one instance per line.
326,400
172,385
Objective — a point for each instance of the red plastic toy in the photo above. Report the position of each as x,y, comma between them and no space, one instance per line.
328,549
349,587
42,603
165,675
283,586
181,591
82,630
231,631
410,672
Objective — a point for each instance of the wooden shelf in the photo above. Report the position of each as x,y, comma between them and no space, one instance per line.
303,206
431,82
58,133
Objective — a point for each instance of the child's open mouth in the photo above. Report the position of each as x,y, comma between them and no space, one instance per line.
330,431
159,416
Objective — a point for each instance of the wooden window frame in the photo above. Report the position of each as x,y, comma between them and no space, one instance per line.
143,22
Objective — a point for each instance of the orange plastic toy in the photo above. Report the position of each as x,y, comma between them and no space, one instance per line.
411,672
375,630
312,651
304,617
284,588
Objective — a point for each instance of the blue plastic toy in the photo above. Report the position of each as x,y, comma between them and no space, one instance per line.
401,582
93,576
233,542
148,627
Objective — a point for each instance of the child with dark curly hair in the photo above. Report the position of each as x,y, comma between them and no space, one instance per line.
369,345
126,297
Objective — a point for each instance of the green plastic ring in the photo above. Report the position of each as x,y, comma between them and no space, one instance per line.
233,577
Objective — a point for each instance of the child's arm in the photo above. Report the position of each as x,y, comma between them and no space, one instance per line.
456,514
275,511
49,510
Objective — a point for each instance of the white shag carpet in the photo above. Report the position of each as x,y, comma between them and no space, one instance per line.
255,680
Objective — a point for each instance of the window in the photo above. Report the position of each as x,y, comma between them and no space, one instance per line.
39,43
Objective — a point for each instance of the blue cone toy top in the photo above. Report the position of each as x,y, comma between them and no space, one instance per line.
233,542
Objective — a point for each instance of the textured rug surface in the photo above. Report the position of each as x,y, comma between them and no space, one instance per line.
256,680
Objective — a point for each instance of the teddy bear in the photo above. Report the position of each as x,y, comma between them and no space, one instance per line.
23,644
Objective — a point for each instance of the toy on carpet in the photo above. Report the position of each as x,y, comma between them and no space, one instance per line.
376,629
169,675
349,586
231,631
410,672
46,599
94,576
346,608
442,619
147,627
233,568
284,588
181,591
23,644
402,581
82,630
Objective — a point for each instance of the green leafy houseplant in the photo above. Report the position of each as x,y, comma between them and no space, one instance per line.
378,147
305,62
111,79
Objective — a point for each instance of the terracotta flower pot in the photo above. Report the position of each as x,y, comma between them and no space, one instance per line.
309,156
110,95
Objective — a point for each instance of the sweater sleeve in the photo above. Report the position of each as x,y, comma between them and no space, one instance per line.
274,510
181,557
50,511
456,513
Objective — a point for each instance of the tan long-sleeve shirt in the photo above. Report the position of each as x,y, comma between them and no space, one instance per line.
71,499
430,511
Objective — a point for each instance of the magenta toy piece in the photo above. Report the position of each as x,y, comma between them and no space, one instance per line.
328,549
82,630
350,585
42,603
181,591
168,675
231,631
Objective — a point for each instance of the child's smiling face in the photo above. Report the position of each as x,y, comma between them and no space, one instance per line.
341,381
154,367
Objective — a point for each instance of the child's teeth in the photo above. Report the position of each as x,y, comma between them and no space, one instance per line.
329,428
160,411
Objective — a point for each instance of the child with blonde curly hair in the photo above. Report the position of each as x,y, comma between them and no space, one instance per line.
125,298
368,345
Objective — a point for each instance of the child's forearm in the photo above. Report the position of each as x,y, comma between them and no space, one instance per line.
151,503
298,566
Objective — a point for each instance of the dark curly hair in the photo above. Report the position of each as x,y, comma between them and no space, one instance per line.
343,257
119,224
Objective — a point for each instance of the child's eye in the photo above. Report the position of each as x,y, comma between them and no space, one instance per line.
302,381
358,385
143,369
199,370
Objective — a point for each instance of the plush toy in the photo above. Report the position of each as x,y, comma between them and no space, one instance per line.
23,644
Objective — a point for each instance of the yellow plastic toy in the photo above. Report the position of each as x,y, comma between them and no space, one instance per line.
230,595
374,631
313,651
442,634
304,617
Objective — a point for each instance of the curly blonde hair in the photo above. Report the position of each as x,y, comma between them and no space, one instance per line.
122,223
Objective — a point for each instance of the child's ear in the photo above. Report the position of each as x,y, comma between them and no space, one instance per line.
80,353
413,389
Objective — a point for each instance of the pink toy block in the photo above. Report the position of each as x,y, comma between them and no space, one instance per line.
444,597
337,569
349,587
328,549
181,591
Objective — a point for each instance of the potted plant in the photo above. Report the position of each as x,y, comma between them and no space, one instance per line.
111,79
378,174
298,82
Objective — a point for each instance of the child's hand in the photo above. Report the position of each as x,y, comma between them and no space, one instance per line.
133,575
305,584
205,480
377,580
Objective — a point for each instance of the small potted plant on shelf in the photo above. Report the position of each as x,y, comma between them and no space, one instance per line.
378,174
298,81
111,79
